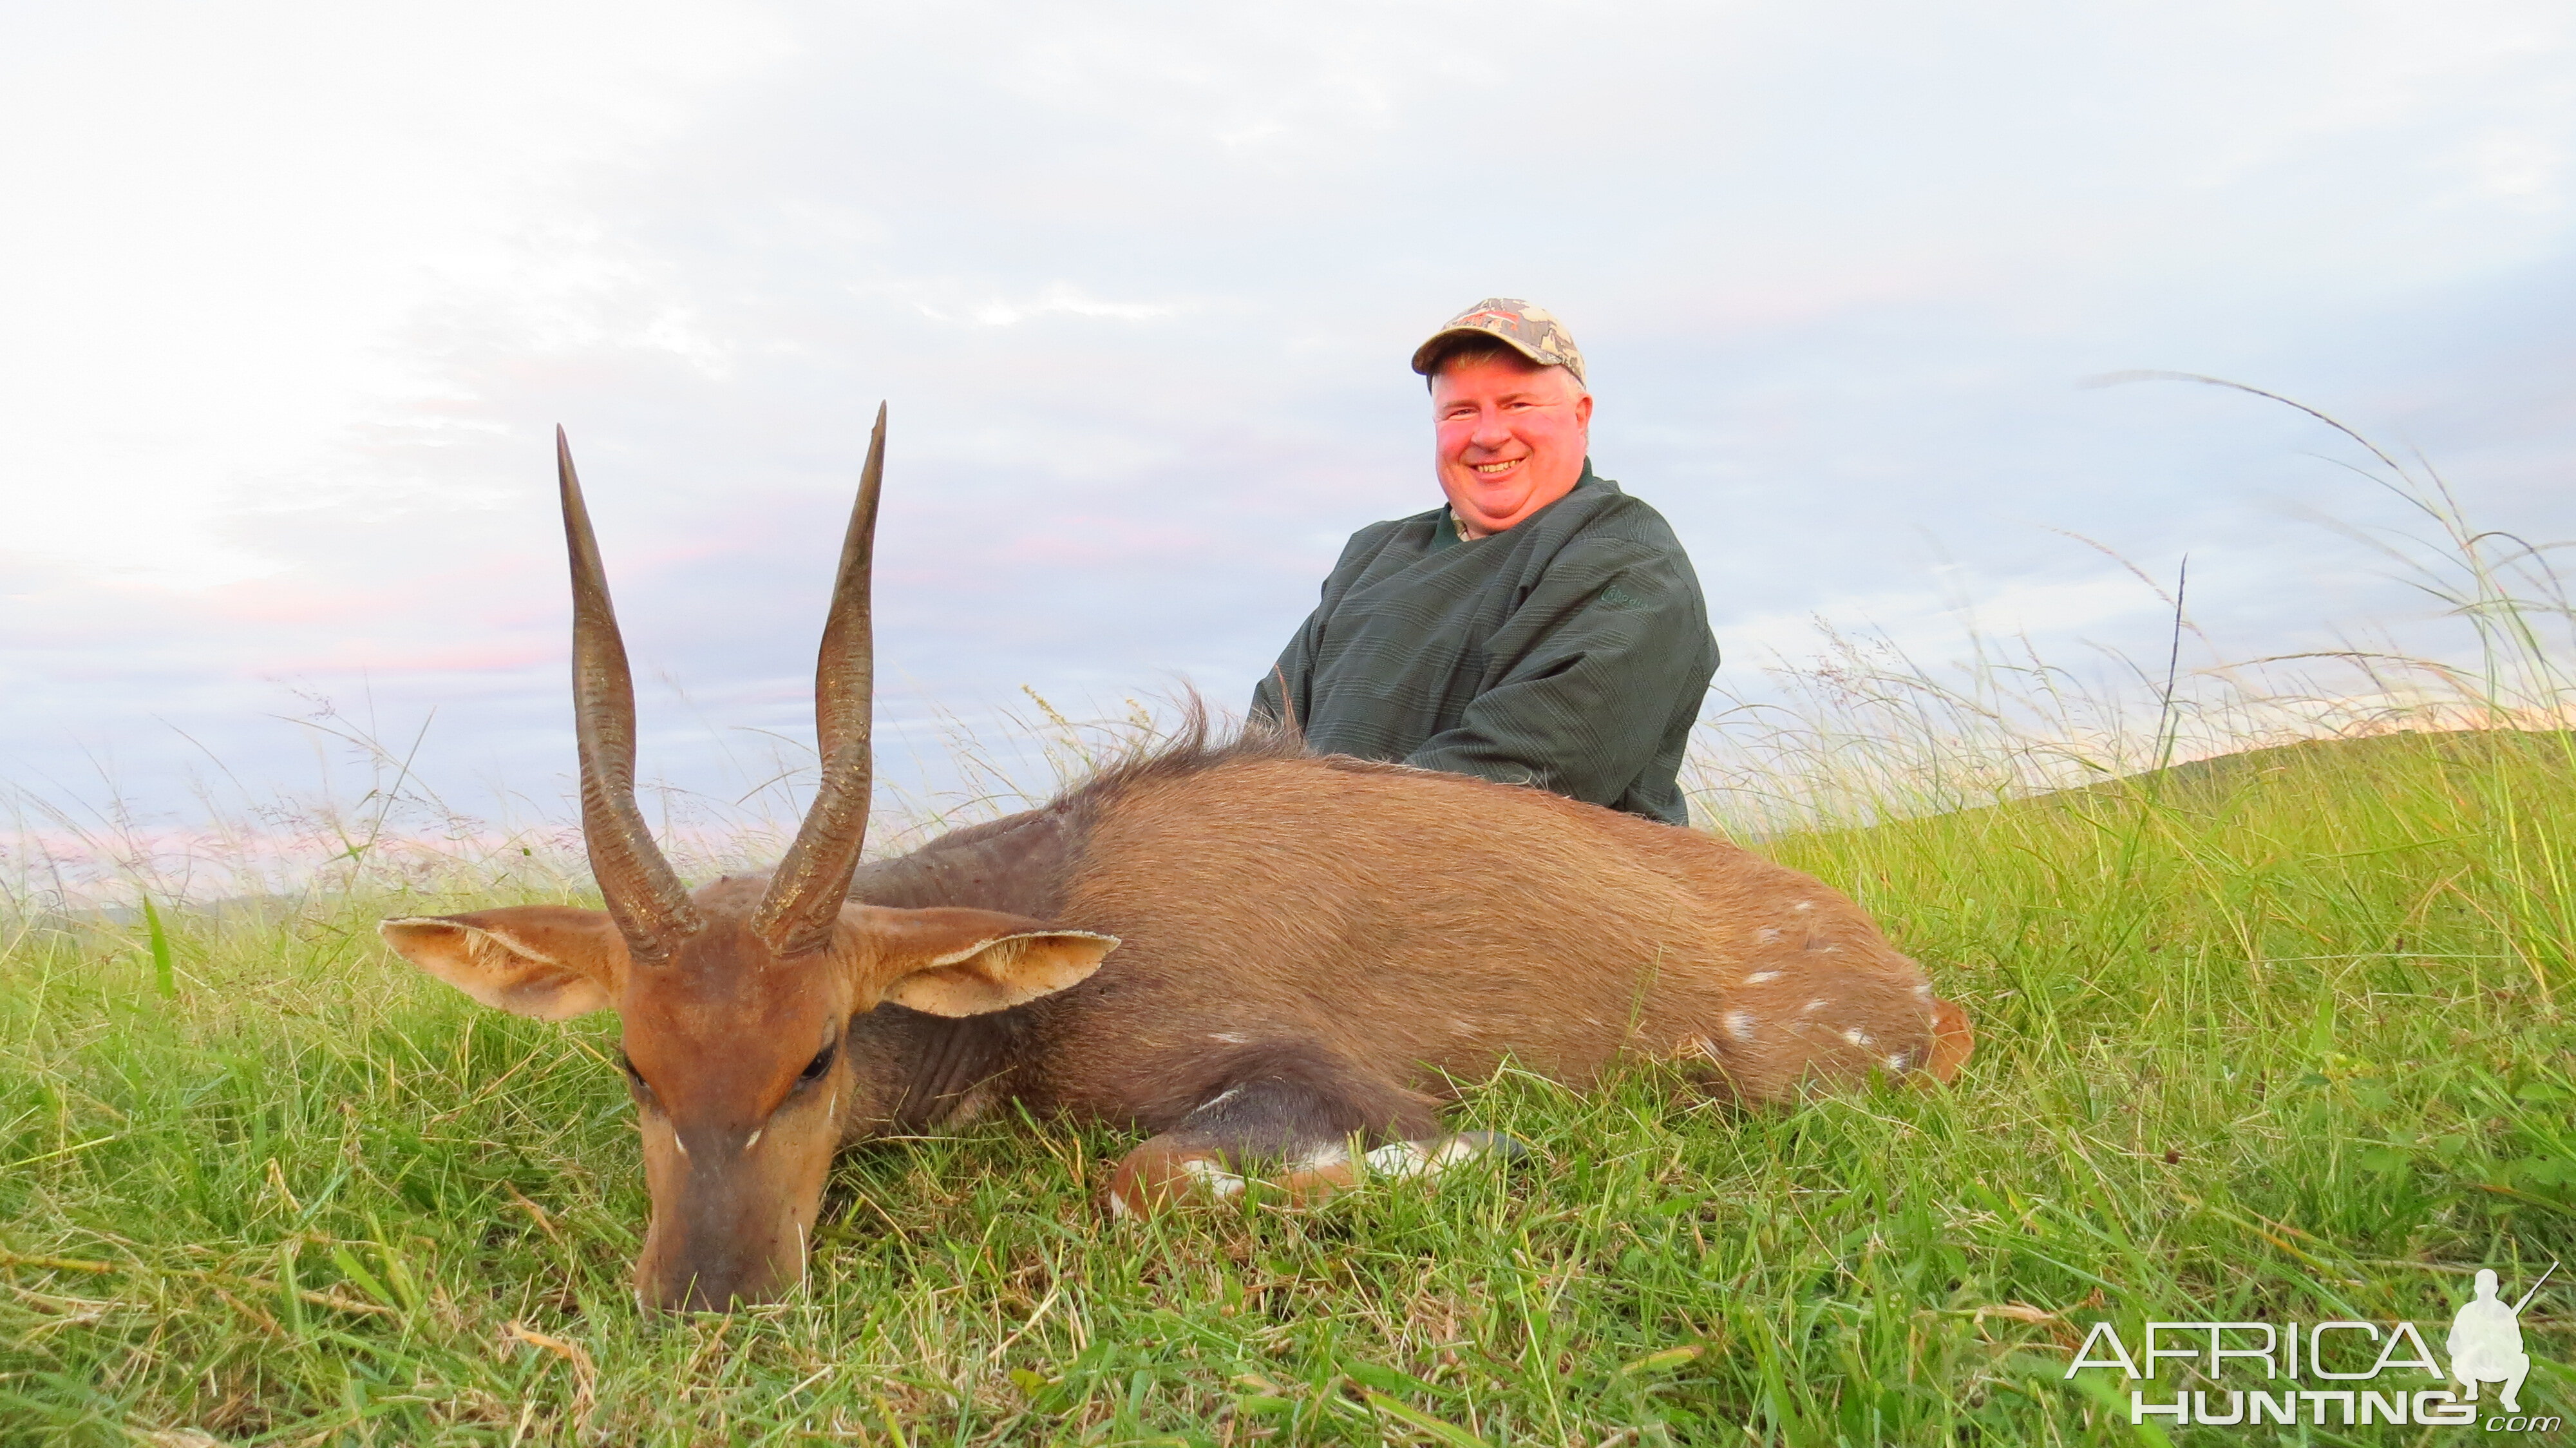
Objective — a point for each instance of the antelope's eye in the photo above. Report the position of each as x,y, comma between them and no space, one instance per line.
815,1068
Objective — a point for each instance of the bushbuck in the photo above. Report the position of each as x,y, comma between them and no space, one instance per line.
1276,964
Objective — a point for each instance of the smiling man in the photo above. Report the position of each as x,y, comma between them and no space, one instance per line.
1541,627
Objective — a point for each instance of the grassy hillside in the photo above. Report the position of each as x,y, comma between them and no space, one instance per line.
2281,1037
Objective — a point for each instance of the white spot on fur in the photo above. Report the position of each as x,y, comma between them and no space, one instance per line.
1901,1062
1118,1206
1232,1038
1222,1097
1409,1159
1767,934
1398,1159
753,1140
1923,992
1804,905
1856,1036
682,1145
1761,976
1739,1024
1813,1006
1331,1153
1219,1182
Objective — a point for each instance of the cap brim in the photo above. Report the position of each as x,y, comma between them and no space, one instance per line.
1428,355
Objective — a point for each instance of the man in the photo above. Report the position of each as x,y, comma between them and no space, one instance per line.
1541,628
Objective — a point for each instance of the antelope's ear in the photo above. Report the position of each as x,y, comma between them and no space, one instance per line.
550,962
969,962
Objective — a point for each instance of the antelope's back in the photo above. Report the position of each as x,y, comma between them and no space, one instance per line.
1428,923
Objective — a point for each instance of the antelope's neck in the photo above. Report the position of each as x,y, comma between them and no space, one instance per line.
1017,864
947,1071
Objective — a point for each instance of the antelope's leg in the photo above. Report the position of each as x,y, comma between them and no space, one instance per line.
1294,1135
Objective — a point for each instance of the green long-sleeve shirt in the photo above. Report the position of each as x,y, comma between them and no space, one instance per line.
1570,652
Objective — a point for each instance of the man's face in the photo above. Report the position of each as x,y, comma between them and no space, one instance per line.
1510,438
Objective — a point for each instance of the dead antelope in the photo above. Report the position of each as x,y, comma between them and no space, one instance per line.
1260,956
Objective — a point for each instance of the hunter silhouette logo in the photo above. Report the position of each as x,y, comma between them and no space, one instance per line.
2366,1372
2486,1341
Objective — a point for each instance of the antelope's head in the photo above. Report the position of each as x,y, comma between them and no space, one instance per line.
737,1000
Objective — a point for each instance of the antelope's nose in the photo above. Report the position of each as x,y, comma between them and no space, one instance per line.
716,1287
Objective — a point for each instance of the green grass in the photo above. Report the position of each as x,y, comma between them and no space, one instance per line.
2285,1038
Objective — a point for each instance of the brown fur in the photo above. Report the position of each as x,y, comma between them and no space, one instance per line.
1424,926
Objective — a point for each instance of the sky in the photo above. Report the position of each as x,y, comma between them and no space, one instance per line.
295,295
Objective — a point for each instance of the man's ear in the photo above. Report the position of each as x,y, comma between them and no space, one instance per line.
550,962
950,962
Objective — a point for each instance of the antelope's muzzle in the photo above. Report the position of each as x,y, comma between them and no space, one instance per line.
727,1233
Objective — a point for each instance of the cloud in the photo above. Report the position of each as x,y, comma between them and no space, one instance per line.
300,306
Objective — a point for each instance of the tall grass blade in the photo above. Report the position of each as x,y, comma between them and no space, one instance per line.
165,975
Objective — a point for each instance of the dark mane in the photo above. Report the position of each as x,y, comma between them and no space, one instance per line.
1020,863
1192,747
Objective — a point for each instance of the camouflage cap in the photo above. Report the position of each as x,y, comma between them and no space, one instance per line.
1534,332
